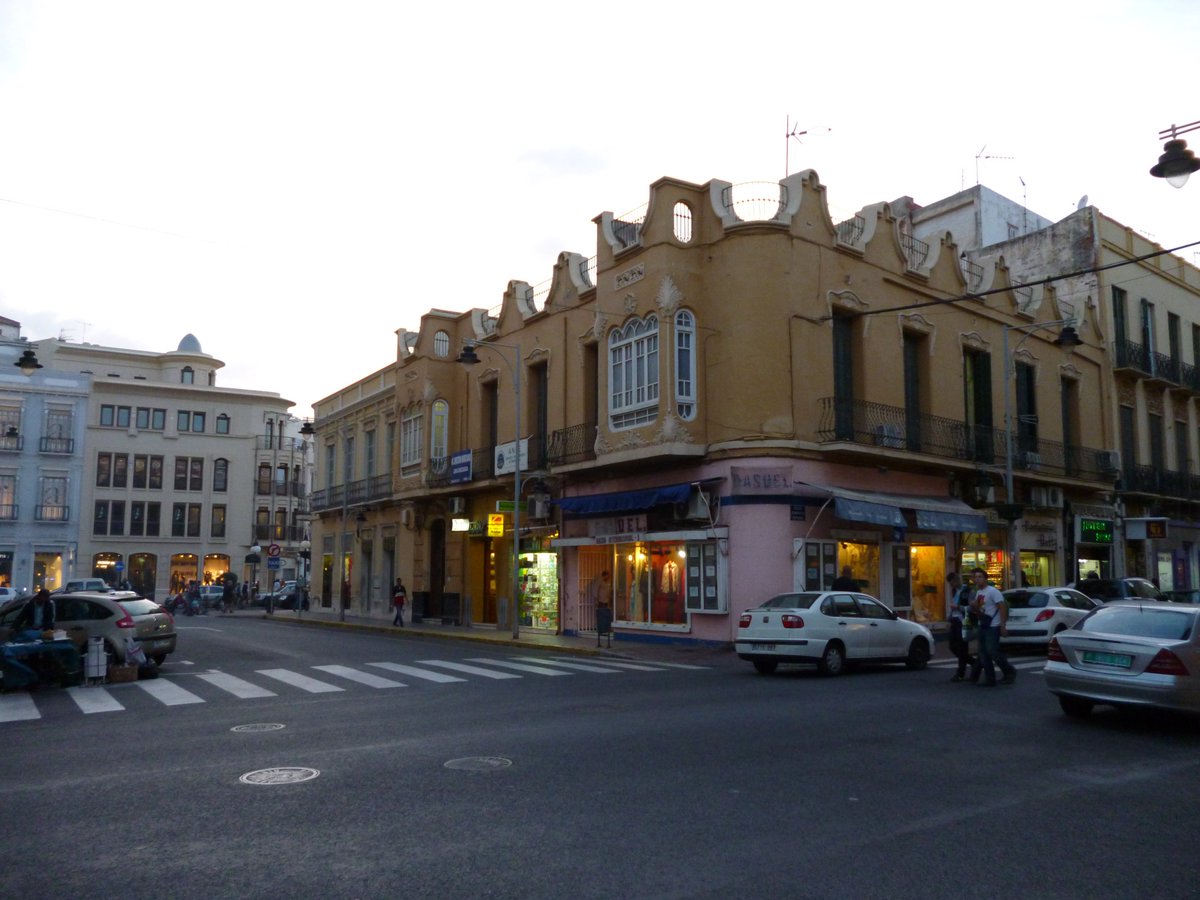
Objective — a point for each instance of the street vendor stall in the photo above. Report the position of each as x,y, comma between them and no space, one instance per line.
31,659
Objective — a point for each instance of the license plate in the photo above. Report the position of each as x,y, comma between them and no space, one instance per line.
764,646
1120,660
155,645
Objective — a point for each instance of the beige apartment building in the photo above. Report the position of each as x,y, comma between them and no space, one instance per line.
735,397
181,478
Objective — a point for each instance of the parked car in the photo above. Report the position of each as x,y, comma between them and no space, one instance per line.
112,615
1186,596
1128,654
829,629
75,585
1037,614
211,594
7,593
1107,590
285,593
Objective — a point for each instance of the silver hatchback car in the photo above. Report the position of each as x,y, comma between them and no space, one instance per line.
112,615
1128,653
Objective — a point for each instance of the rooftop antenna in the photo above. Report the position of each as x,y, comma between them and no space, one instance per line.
83,339
1024,206
980,155
1083,202
794,131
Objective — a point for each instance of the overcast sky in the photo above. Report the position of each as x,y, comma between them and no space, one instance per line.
291,181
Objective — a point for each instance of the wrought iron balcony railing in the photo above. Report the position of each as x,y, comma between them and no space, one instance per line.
576,443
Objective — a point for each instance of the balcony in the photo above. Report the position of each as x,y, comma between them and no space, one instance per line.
11,443
895,428
280,442
56,445
1146,363
48,513
365,490
916,251
8,512
278,534
267,488
570,445
1156,480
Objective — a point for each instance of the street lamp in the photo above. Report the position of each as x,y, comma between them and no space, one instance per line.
304,565
468,357
28,363
254,551
1177,161
1010,510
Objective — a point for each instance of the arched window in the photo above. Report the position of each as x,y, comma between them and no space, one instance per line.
633,373
188,375
220,475
441,344
222,424
683,223
685,364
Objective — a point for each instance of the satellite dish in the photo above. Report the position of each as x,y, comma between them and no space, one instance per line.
1082,202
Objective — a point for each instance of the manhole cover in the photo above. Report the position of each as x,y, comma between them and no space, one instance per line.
280,775
479,763
257,726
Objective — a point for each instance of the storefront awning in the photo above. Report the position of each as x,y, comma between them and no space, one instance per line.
625,501
881,508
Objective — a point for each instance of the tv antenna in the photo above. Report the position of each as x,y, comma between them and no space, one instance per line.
794,131
981,155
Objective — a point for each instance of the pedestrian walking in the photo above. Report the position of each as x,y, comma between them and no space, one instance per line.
399,600
991,614
958,598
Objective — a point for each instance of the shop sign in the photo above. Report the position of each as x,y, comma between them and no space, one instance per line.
617,525
495,525
761,480
477,528
1093,531
1146,529
460,467
506,457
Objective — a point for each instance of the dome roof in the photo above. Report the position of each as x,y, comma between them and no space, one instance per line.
189,344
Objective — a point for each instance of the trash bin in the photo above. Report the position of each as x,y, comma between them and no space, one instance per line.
604,617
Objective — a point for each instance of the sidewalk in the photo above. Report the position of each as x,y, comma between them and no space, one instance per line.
490,635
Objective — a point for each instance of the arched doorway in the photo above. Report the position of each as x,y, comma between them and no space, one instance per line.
107,566
184,570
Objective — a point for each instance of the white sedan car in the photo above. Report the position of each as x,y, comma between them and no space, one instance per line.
1037,614
829,629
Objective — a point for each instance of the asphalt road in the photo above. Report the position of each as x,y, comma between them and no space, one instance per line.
658,782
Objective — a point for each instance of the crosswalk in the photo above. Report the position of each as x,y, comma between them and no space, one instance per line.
1031,664
197,687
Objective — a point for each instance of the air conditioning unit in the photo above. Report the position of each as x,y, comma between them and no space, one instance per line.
1031,461
458,506
1046,496
697,506
406,517
1110,461
889,435
539,509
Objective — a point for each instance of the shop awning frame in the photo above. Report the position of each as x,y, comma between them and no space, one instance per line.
631,501
882,508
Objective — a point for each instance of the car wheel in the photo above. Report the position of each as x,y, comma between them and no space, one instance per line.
159,658
765,666
833,660
918,655
1076,707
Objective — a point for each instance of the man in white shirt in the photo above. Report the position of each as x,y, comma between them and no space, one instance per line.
991,612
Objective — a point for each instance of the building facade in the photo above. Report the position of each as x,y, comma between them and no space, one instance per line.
180,479
731,399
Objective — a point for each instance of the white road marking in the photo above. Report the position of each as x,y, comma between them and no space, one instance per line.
578,666
94,700
295,679
638,667
234,685
17,707
361,677
520,667
470,670
439,677
168,693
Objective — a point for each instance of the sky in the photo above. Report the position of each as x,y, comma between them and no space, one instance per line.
293,181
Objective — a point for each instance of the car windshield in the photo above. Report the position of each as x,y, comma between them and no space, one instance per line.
1144,589
1099,587
1137,621
140,607
790,601
1026,599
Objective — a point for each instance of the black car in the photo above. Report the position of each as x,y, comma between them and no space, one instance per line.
1108,589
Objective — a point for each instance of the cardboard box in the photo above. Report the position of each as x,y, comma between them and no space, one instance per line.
122,674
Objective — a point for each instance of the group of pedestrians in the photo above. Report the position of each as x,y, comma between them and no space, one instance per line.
978,611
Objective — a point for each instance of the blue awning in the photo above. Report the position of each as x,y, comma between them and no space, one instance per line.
625,501
865,511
